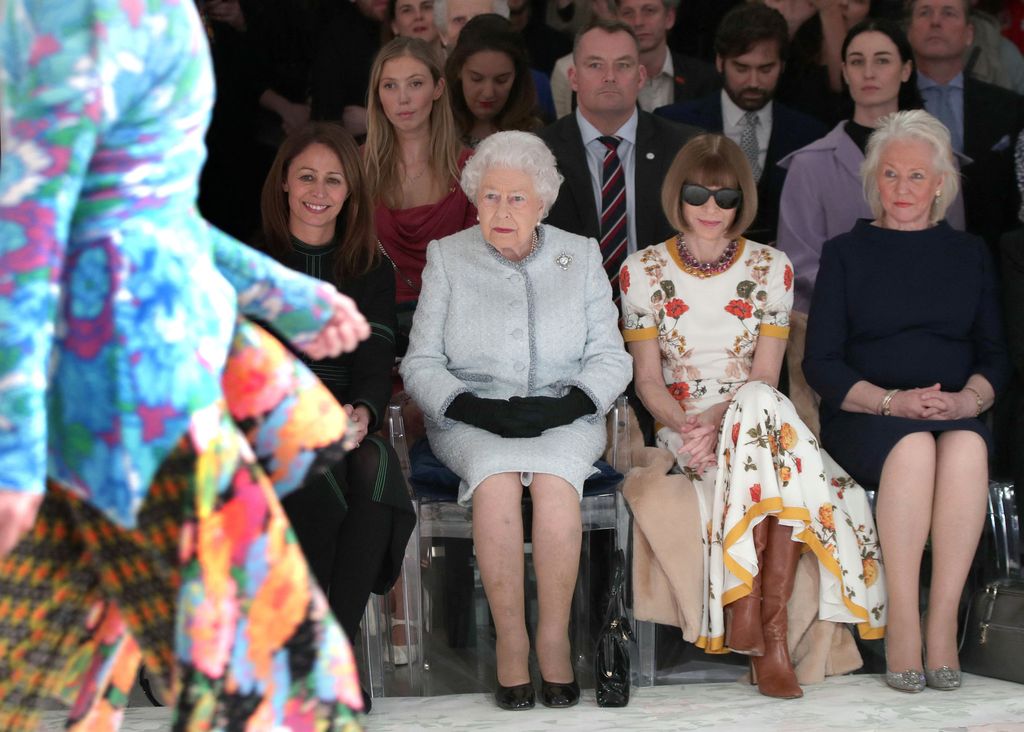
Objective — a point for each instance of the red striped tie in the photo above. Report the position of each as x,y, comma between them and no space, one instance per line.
614,225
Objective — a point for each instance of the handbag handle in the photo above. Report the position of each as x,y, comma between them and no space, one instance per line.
616,601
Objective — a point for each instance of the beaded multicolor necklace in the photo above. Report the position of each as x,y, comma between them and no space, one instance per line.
697,268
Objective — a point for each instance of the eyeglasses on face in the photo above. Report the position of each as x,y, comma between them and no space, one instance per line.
698,195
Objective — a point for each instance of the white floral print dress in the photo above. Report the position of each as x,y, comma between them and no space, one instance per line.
769,463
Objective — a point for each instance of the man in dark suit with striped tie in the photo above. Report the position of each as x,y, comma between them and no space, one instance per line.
613,155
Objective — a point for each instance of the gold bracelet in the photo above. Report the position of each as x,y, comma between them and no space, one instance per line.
977,398
886,407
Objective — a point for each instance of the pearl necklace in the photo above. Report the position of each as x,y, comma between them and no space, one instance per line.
706,269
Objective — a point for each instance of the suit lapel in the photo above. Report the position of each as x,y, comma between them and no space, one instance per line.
647,181
981,122
714,121
775,137
577,178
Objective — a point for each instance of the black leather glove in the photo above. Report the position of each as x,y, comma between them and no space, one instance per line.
520,416
487,414
537,414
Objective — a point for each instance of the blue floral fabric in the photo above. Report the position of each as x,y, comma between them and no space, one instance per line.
117,300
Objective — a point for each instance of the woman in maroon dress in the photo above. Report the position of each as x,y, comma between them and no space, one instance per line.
413,161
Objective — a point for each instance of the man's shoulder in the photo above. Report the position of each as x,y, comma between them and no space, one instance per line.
680,61
663,132
559,131
785,113
791,123
689,69
991,92
705,112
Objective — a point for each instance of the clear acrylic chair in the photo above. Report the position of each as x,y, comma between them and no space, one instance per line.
1004,528
446,520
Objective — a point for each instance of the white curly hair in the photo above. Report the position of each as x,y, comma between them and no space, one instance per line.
515,151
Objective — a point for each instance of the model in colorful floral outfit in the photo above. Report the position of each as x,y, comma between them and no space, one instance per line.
136,522
706,317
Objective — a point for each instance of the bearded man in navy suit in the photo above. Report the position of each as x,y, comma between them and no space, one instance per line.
751,47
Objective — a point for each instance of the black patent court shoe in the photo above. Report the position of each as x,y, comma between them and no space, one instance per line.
515,698
559,695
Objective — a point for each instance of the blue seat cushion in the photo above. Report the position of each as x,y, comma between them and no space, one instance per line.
432,480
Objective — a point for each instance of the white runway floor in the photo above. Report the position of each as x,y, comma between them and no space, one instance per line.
852,703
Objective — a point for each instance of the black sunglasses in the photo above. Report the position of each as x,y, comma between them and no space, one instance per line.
725,198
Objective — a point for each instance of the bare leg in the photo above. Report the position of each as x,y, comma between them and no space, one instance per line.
958,516
904,512
498,537
557,534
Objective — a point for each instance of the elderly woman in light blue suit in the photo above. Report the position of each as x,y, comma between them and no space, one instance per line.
515,357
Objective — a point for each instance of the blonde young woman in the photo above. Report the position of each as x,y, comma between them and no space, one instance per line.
413,161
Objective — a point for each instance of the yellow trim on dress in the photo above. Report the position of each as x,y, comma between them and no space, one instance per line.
774,331
640,334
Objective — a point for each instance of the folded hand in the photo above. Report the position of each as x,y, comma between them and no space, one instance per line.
948,405
912,403
700,436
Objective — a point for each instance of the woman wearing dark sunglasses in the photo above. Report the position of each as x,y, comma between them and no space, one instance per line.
706,319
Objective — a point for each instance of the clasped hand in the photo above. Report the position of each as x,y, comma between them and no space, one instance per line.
700,437
931,402
520,416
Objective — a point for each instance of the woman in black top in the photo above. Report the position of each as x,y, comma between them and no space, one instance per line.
353,521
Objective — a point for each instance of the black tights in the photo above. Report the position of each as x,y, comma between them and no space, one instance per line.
352,549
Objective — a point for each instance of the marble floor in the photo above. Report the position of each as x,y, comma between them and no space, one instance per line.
860,703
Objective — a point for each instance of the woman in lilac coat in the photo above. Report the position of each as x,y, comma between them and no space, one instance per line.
823,197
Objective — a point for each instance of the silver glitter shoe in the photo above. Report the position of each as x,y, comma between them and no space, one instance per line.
943,678
911,681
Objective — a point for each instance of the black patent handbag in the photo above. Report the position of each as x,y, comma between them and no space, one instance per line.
611,659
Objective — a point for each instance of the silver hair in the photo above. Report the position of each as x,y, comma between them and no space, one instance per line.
498,7
912,124
515,151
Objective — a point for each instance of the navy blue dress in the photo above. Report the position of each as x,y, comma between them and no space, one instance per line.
899,309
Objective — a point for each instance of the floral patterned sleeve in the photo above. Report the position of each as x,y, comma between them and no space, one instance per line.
50,111
295,305
779,302
638,321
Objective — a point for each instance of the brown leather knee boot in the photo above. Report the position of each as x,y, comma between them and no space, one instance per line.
773,672
743,624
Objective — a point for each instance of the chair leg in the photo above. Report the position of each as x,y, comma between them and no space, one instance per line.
1005,527
374,620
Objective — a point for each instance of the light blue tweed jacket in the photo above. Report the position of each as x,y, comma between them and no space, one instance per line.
500,329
